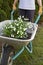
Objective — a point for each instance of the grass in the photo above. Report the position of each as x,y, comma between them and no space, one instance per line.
36,58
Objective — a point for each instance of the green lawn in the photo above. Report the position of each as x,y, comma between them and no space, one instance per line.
36,58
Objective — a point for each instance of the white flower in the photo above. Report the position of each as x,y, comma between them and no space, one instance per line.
19,18
12,35
20,27
11,26
17,24
28,23
30,26
17,32
14,29
21,32
22,16
25,29
15,21
21,36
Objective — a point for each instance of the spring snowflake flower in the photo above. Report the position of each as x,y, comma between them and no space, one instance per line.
12,35
17,32
24,29
14,29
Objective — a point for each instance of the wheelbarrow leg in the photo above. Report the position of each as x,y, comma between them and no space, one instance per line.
15,56
29,47
6,50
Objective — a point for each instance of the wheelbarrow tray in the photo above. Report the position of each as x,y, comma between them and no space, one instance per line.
14,41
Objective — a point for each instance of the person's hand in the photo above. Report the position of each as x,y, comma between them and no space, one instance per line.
40,10
14,7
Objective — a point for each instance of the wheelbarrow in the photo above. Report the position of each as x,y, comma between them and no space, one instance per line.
8,44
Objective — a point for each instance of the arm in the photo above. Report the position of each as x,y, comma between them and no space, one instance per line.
39,3
40,6
14,4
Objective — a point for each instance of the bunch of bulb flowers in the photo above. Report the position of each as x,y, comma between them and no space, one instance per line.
17,28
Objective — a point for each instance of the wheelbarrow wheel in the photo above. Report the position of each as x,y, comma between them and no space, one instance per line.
6,55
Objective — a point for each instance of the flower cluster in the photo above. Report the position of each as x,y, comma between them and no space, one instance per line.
16,29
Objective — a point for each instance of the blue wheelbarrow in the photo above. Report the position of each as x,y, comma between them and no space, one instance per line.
8,44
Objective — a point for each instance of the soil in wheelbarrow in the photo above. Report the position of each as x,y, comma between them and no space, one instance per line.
29,36
26,38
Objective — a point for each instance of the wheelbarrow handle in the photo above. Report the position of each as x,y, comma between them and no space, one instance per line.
12,14
37,19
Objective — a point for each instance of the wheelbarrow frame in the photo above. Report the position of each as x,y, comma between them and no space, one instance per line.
29,48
